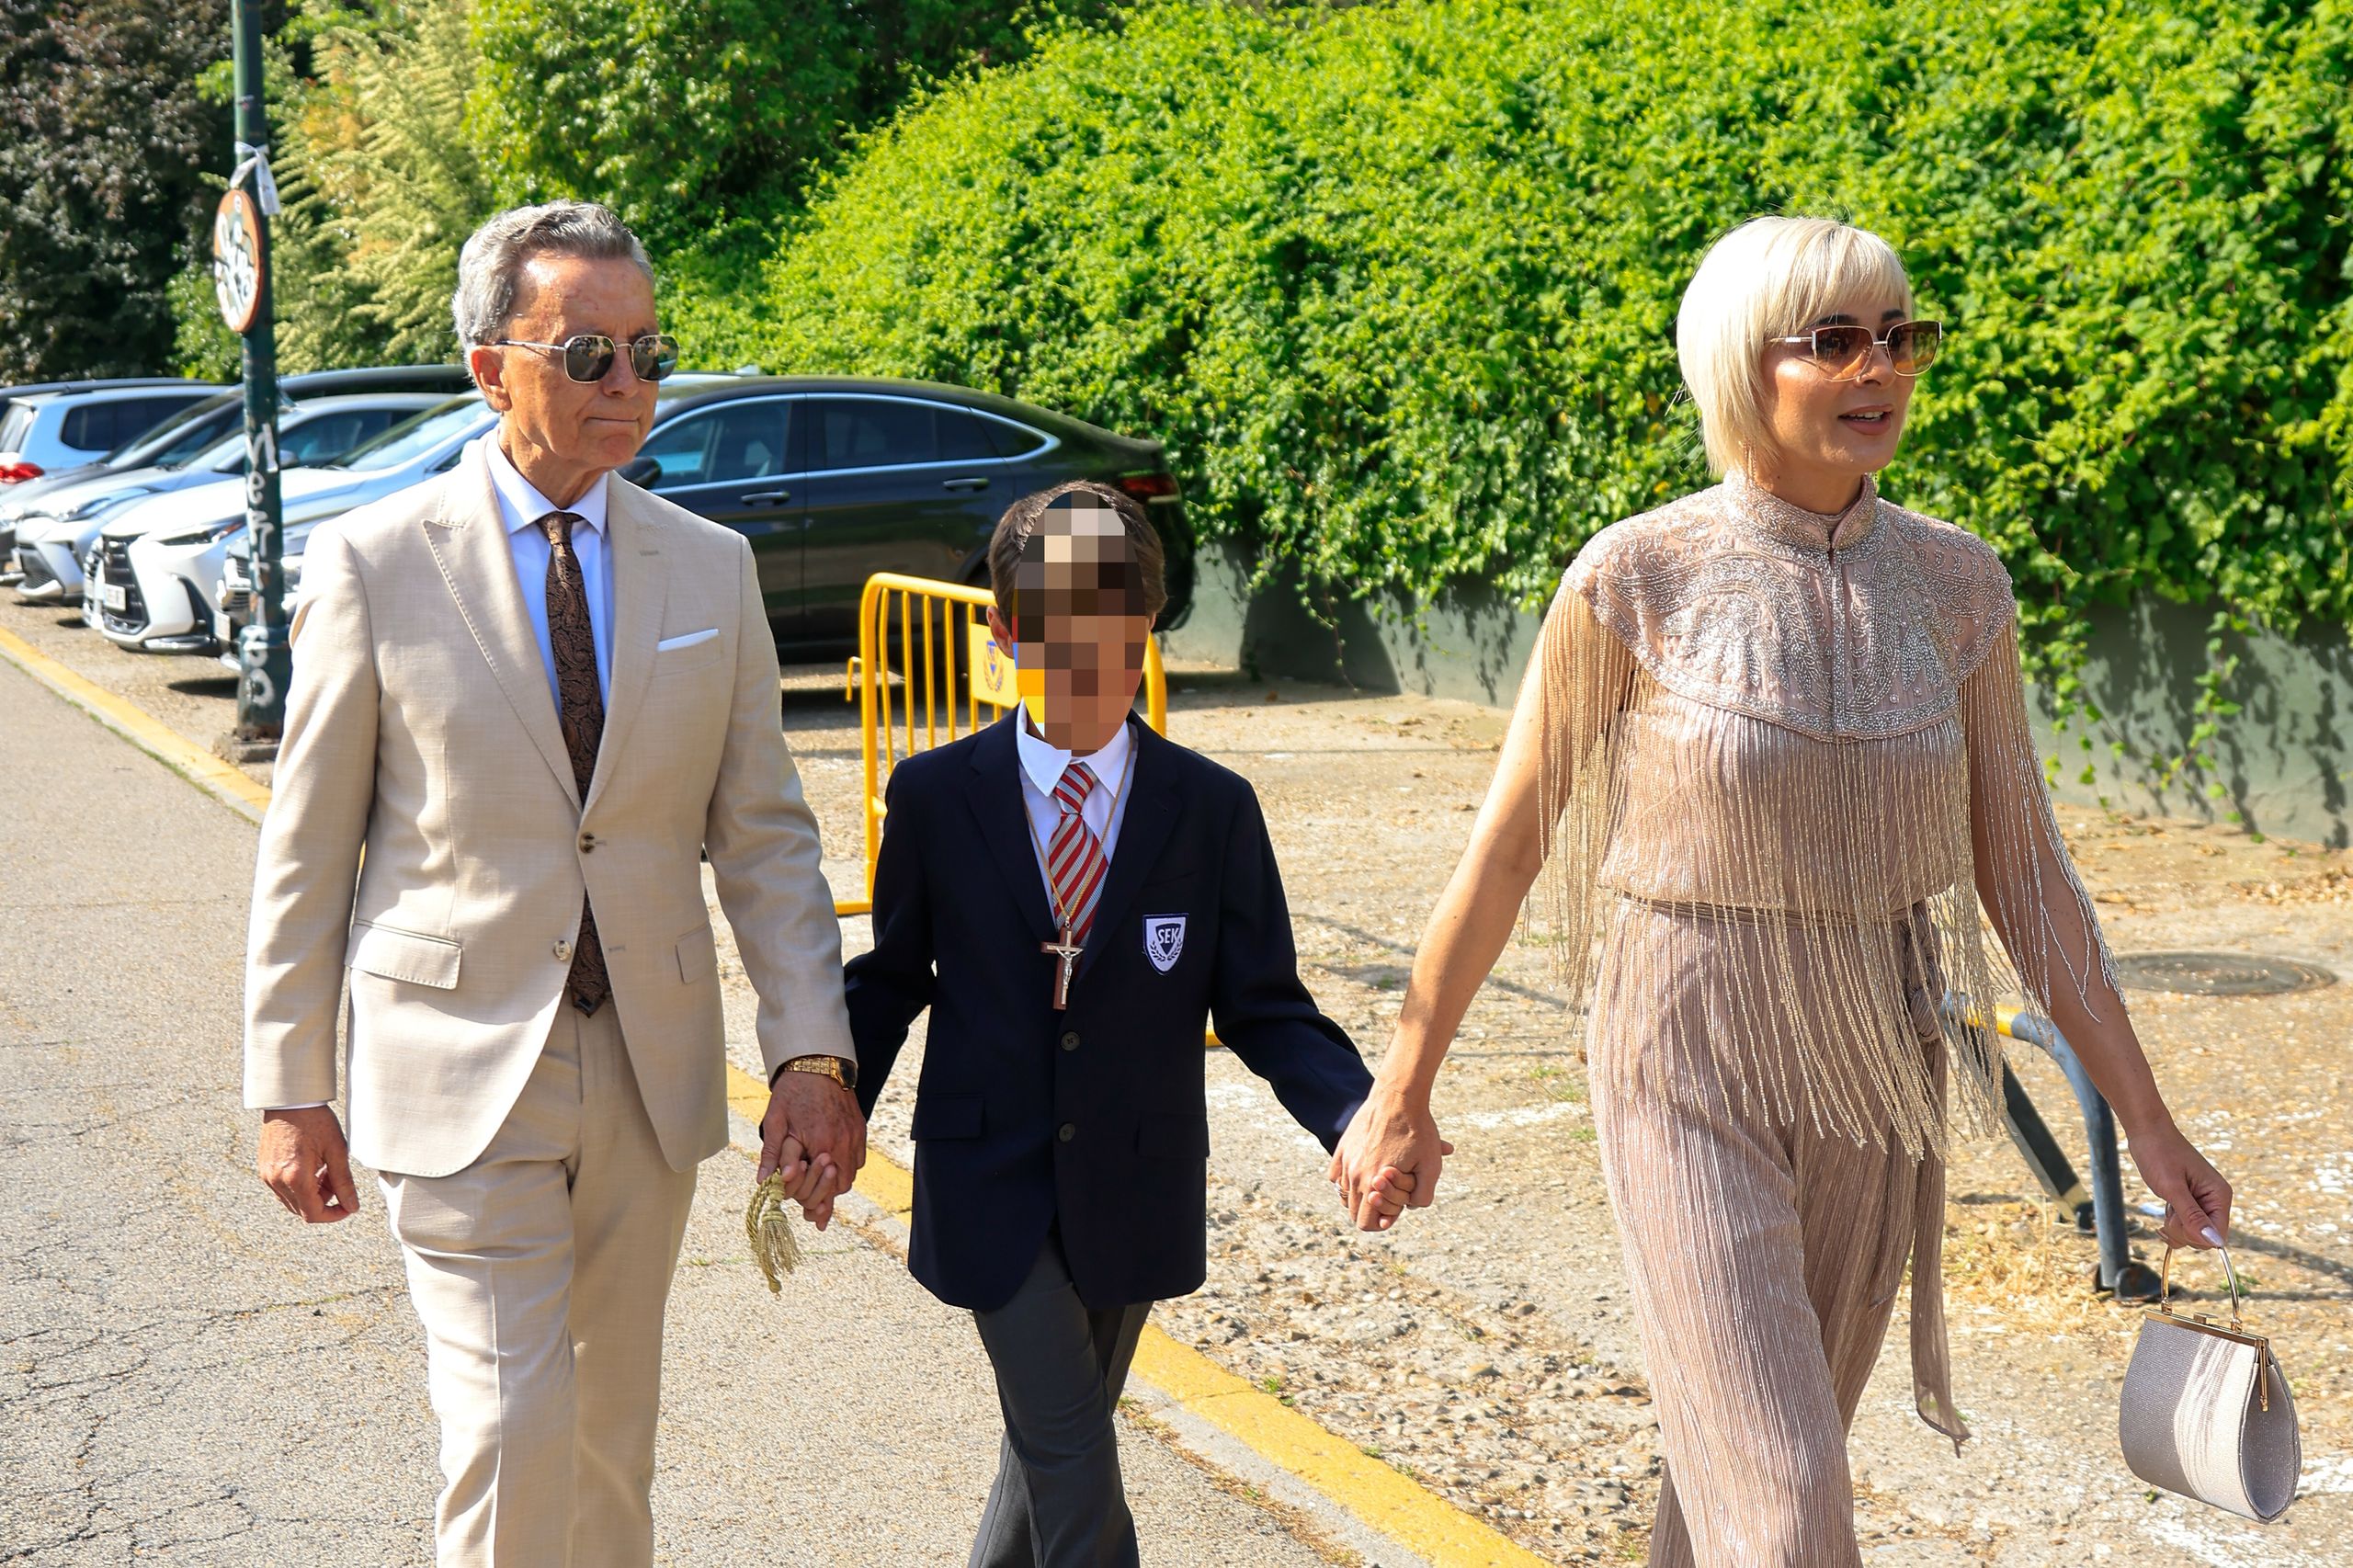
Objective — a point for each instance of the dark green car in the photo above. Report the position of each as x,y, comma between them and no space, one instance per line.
834,480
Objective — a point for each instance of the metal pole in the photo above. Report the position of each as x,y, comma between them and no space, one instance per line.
264,652
2118,1272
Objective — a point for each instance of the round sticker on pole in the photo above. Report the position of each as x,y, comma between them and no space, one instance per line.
237,259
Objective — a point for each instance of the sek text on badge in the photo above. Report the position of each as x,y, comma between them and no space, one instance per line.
1163,938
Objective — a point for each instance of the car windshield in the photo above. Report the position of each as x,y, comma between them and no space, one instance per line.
175,439
412,439
184,443
220,457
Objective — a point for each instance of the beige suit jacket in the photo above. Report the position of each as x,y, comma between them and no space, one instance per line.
420,728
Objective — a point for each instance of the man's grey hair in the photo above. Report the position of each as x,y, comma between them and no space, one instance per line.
491,266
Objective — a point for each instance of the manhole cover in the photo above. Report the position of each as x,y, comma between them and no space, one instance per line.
2219,974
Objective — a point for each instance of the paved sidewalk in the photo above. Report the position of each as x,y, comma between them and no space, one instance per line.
190,1377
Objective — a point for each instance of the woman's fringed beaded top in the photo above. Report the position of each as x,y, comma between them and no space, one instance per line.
1813,726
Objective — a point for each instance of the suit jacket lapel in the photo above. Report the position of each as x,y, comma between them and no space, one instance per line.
467,539
1002,815
1143,833
641,585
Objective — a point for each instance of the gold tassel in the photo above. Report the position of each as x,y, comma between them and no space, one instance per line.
767,1223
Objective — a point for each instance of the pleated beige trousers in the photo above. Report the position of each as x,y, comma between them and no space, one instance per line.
1764,1256
542,1273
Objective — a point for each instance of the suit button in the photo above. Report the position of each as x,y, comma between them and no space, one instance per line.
563,951
1068,1131
1070,1043
588,842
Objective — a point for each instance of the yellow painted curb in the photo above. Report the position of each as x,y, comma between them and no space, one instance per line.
139,727
1377,1494
1380,1497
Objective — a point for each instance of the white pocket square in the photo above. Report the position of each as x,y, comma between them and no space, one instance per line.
688,640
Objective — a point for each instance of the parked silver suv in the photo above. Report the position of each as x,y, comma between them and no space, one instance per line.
41,431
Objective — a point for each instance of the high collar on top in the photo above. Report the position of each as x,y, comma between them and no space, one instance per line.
1759,510
1044,762
520,504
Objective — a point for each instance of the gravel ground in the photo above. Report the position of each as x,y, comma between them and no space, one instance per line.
1485,1348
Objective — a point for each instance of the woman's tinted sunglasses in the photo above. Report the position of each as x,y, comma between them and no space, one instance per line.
1841,352
590,356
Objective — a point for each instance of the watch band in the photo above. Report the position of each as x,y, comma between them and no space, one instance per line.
840,1070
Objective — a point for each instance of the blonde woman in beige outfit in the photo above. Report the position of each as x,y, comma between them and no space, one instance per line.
1773,748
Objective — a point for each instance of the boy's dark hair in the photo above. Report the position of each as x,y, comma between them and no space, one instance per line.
1146,559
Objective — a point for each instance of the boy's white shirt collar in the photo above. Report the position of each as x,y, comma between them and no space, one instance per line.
1044,762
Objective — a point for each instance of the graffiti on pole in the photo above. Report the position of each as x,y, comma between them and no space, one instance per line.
260,691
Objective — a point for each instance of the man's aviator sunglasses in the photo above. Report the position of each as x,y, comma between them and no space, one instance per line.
1841,352
590,356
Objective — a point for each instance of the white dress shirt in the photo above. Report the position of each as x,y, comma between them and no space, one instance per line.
521,506
1041,769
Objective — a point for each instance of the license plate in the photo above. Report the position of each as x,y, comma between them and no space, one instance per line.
114,596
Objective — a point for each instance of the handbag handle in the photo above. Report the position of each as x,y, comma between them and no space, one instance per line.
2165,1289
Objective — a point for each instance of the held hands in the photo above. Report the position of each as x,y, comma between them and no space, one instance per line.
304,1160
814,1134
2197,1199
1388,1160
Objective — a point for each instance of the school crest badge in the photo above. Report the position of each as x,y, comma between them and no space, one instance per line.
1163,938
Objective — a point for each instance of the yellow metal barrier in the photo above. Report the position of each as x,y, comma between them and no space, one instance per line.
935,622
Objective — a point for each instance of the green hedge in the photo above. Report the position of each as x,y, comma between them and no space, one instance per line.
1397,283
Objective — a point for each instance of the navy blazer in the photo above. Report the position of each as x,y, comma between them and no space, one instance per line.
1094,1118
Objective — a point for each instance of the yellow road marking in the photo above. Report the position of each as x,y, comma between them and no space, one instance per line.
139,727
1382,1497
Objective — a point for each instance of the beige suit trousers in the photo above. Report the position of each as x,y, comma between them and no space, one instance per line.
540,1272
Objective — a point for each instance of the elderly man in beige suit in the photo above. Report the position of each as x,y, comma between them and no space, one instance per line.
527,700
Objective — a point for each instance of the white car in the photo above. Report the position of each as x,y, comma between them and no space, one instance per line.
158,563
55,531
433,449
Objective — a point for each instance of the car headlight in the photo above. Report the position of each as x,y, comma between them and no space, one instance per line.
212,534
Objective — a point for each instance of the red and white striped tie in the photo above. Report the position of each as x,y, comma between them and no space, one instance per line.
1075,863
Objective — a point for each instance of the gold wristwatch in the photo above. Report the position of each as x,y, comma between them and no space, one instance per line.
841,1072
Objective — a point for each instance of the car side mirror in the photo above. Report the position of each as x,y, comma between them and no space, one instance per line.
641,471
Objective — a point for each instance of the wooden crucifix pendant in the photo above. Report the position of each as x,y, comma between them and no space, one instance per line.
1066,956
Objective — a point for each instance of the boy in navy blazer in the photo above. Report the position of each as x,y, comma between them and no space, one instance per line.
1074,898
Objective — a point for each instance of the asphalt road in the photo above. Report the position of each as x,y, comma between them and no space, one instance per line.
188,1376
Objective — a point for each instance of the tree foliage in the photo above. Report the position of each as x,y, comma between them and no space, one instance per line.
384,184
690,115
103,142
381,182
1397,284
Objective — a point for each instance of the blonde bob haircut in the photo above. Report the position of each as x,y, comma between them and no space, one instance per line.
1770,278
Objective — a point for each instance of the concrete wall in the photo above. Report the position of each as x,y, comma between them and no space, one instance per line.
1471,644
2285,761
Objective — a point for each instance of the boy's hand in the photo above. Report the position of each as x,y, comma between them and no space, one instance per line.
1392,1189
1391,1149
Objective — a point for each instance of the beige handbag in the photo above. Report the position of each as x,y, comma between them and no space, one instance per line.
2206,1412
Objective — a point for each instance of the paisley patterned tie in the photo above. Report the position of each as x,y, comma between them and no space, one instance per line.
580,703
